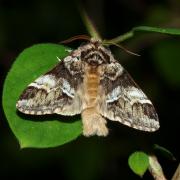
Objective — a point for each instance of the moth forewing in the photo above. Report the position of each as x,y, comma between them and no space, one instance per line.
54,92
91,82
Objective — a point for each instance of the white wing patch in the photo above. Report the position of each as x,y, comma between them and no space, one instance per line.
21,103
132,94
136,95
114,95
66,88
45,82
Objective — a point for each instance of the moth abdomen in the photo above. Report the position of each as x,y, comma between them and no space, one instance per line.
91,85
93,123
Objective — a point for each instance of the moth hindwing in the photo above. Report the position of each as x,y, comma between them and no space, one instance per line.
92,83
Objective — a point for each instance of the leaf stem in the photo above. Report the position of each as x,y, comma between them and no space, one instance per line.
89,24
176,175
155,168
130,34
121,38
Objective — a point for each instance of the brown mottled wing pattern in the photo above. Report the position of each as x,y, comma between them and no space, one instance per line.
125,102
54,92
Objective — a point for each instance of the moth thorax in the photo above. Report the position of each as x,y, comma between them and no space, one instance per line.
94,58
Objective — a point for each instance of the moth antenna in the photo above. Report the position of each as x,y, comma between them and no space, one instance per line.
122,47
83,37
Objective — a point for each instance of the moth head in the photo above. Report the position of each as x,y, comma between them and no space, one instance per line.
94,53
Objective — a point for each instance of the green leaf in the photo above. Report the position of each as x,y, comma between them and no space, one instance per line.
138,162
36,131
171,31
131,33
165,152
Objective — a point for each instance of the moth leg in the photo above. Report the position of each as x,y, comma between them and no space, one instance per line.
93,123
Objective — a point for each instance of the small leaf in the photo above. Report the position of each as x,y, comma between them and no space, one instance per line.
165,152
36,131
171,31
138,162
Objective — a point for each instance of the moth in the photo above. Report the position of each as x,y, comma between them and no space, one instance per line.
90,82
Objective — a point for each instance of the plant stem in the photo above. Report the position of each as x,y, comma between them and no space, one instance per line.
89,24
176,175
155,168
121,38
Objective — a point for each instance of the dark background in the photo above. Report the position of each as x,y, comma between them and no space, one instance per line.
24,23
